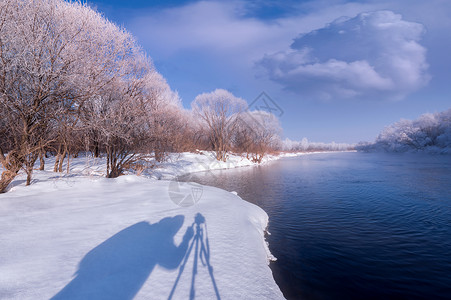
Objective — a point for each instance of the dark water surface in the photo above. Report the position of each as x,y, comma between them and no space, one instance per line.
353,225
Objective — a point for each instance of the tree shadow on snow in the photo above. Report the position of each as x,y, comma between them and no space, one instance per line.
118,267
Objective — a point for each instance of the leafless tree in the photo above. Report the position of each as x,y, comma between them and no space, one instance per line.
162,112
219,110
53,55
257,133
115,118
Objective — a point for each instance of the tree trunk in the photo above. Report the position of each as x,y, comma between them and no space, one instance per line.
68,163
12,164
108,162
63,156
55,166
41,160
96,149
29,173
115,172
7,177
57,159
30,160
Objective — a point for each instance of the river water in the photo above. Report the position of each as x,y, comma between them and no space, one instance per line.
353,225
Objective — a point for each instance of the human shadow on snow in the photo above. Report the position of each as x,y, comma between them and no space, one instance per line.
200,250
118,267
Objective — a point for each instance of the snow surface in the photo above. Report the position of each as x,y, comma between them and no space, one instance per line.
83,236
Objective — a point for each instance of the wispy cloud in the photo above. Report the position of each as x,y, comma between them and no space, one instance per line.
230,27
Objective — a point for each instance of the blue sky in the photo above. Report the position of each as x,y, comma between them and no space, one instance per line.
340,70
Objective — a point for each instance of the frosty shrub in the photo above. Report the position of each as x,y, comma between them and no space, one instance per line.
429,133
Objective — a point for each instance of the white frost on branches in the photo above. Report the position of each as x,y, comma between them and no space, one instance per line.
431,132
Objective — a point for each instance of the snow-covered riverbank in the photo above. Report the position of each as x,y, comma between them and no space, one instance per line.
82,236
185,163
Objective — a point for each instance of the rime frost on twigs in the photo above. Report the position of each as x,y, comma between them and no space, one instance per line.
429,133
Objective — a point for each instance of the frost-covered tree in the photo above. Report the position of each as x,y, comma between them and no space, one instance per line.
115,120
219,111
256,134
430,132
54,57
306,146
163,110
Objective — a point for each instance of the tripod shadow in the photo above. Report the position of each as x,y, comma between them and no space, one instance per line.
118,267
201,252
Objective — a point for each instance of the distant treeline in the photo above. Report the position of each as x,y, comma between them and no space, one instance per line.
306,146
430,133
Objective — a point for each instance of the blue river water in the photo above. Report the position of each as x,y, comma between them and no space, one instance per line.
353,225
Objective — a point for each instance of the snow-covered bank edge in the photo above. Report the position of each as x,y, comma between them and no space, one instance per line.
185,163
175,165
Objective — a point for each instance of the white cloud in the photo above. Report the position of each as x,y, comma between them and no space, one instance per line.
375,54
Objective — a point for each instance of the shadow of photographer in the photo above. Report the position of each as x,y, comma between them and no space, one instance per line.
201,247
118,267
